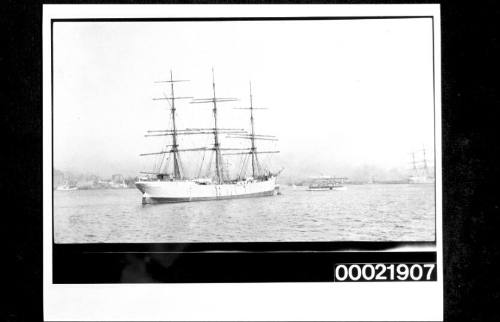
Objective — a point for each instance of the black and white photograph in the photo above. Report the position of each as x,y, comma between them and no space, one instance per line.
244,146
332,120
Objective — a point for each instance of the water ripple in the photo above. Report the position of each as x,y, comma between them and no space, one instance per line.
360,213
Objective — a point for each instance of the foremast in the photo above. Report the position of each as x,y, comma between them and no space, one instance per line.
174,147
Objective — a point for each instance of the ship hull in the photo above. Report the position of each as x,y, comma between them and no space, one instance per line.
187,191
420,179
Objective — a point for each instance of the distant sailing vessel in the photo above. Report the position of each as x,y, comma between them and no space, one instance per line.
174,186
420,171
327,183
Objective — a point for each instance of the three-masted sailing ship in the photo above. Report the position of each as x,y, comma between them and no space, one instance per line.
174,186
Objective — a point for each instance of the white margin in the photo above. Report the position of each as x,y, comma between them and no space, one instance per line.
244,301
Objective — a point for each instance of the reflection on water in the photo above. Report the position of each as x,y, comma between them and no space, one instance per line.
395,212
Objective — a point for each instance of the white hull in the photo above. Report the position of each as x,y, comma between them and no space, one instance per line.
188,190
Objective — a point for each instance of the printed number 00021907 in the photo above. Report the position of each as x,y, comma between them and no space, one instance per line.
385,272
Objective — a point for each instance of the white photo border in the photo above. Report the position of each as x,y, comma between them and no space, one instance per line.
238,301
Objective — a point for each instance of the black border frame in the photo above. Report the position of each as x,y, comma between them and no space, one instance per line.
470,49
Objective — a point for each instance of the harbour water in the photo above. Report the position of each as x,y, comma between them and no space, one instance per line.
372,212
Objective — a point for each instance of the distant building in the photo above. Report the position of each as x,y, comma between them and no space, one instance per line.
117,178
59,179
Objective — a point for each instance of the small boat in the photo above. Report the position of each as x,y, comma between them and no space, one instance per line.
327,183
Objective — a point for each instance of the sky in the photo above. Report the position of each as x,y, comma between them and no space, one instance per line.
340,95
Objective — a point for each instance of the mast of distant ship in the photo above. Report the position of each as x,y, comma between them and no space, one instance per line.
425,163
425,160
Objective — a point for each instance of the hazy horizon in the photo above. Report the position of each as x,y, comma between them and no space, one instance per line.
344,96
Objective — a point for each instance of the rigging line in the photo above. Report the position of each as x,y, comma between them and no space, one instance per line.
209,164
244,166
243,161
167,165
247,161
165,95
163,157
158,167
259,168
155,163
162,161
201,165
180,166
241,168
161,169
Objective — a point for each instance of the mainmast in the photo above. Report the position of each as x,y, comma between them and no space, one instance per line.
219,168
175,146
218,157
